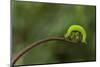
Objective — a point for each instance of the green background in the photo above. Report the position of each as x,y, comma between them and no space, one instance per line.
32,21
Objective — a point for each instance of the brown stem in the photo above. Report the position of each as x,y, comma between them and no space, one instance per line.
21,53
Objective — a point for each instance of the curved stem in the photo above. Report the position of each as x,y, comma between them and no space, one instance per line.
34,44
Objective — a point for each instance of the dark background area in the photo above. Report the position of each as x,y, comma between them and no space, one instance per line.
32,21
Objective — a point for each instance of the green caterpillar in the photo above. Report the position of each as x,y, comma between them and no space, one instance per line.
76,33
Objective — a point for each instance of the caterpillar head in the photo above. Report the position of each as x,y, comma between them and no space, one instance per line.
75,36
76,33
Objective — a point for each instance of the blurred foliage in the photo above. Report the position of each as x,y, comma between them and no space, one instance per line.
32,21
